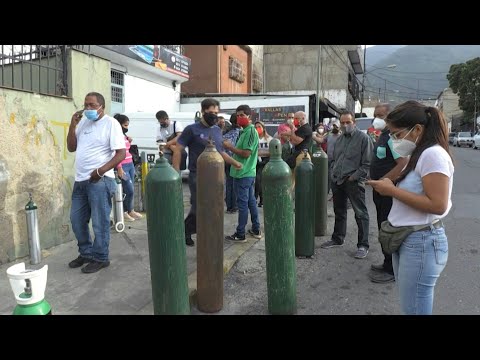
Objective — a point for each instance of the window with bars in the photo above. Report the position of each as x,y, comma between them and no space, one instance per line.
257,81
117,77
117,86
235,70
37,68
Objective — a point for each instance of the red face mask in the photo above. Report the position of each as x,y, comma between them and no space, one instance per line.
242,121
260,131
296,122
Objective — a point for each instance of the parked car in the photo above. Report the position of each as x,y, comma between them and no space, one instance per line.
463,138
363,123
451,136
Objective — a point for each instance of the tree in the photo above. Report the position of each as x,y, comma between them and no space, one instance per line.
464,80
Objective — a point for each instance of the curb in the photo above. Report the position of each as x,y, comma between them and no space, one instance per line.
230,257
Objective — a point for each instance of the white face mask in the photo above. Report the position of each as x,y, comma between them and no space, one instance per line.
378,124
404,147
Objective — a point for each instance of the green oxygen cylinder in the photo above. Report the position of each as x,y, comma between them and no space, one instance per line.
166,239
304,208
279,235
320,168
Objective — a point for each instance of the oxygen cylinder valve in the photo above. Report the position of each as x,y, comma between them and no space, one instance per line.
305,153
161,146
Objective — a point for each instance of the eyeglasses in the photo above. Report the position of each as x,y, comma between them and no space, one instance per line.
394,135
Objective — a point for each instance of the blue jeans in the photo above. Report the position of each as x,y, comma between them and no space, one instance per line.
417,265
127,185
191,219
92,200
230,196
244,189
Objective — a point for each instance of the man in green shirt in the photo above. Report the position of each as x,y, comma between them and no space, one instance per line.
245,152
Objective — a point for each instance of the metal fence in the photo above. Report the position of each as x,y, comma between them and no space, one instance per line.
36,68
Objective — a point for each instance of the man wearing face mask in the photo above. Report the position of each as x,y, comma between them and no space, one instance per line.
386,163
301,138
196,137
245,152
168,132
351,163
285,127
100,146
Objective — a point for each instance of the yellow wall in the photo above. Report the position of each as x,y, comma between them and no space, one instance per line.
34,157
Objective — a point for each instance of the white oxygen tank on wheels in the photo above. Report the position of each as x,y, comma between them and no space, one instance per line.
118,221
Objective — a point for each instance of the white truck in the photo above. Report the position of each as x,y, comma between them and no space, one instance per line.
272,109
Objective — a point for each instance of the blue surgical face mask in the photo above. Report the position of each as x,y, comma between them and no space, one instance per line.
91,115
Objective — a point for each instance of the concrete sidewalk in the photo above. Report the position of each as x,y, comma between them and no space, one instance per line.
122,288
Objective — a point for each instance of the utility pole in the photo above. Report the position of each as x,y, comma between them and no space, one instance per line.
475,113
379,90
363,77
418,89
319,67
385,93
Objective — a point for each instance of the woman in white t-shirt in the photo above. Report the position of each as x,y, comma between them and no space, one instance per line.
422,196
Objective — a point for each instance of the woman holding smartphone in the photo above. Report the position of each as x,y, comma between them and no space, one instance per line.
421,198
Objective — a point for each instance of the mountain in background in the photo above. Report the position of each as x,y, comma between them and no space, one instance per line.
377,53
420,71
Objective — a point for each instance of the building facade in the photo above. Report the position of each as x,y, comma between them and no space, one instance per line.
41,86
329,70
227,69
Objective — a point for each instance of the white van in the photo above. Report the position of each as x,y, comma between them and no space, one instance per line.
144,126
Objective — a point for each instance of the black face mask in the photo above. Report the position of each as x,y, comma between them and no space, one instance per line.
164,125
124,130
335,130
210,118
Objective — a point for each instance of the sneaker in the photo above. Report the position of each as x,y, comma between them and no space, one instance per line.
189,241
361,253
237,238
255,234
330,244
135,215
381,277
79,261
127,217
94,266
378,267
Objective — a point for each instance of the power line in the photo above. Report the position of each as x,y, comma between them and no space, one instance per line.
409,77
413,72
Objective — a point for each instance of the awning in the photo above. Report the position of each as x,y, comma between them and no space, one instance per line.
327,109
354,58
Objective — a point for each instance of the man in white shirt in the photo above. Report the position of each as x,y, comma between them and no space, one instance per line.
100,145
168,132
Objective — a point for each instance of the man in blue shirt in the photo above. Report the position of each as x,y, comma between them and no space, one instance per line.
196,137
